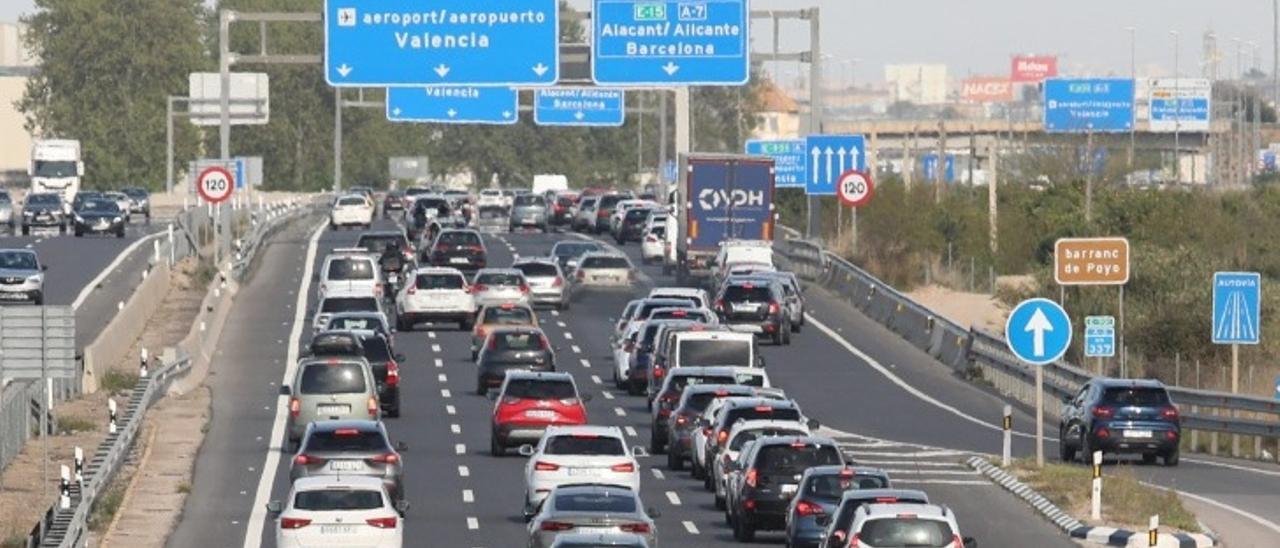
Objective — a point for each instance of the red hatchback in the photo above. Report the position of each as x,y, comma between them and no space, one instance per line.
528,403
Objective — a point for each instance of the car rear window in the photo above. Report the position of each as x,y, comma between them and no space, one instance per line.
575,249
1135,396
352,201
648,307
529,201
337,500
695,352
679,382
349,304
499,278
440,281
335,378
897,531
749,435
351,269
346,439
832,486
518,340
564,201
493,212
459,238
514,315
376,349
762,412
606,262
658,230
378,243
595,502
607,202
748,293
579,444
540,389
796,458
537,269
637,214
334,343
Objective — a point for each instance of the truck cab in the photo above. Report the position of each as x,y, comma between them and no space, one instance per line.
56,167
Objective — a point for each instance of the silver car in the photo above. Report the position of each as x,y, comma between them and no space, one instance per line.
591,508
496,286
529,210
330,388
21,276
6,211
603,269
350,447
546,282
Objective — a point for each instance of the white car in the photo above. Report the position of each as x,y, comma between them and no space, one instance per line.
435,294
331,305
122,201
652,242
620,211
339,511
499,286
624,320
578,454
709,417
879,525
351,210
669,260
742,433
698,295
350,272
622,351
492,198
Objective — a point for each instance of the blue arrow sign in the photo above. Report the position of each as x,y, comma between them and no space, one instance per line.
828,156
665,42
579,107
1099,336
669,171
789,159
454,105
1237,307
1038,331
930,163
453,42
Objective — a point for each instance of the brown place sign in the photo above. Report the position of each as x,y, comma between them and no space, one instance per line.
1091,261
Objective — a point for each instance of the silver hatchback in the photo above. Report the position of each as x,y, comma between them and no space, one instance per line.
529,210
595,508
330,388
546,282
496,286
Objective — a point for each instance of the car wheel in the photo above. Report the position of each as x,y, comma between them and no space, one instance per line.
1066,453
786,335
655,445
466,324
62,228
394,411
120,233
481,389
39,301
1171,458
79,233
720,505
1086,452
695,470
743,531
777,338
674,461
706,480
495,447
795,327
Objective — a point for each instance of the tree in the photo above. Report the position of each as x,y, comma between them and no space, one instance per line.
106,69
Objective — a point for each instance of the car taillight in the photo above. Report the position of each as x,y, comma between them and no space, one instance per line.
956,541
442,247
631,346
602,214
853,541
681,419
720,304
557,282
294,523
524,288
555,526
413,290
753,477
664,412
393,373
658,371
479,287
382,523
480,331
372,406
651,238
721,437
706,431
1169,413
306,460
624,467
295,407
774,308
1104,412
640,528
1104,433
544,466
543,343
386,458
806,508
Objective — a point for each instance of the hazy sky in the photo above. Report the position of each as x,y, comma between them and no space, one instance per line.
977,36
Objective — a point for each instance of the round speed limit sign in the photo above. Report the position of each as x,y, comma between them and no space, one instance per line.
215,185
854,188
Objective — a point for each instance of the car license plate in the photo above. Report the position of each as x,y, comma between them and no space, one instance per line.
744,307
432,212
392,278
1137,433
540,414
337,529
789,488
596,530
13,296
581,471
333,409
345,465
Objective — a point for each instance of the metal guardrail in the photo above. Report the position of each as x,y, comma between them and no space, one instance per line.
974,352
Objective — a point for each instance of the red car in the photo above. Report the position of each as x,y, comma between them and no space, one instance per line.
528,403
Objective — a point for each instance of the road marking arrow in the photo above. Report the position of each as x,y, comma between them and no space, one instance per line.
831,177
452,113
442,70
540,69
853,157
1038,325
344,70
817,154
670,68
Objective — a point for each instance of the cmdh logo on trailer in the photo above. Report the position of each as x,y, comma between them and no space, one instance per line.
1033,68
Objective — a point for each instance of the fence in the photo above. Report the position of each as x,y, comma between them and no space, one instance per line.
976,353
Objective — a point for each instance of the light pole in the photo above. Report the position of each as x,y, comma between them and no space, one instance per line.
1177,111
1133,74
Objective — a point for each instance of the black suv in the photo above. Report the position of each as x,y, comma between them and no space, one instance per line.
766,477
604,211
1120,416
385,364
43,209
461,249
755,305
740,409
684,419
632,225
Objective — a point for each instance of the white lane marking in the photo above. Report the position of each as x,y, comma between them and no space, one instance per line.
439,362
607,395
455,428
442,377
431,334
463,471
630,430
568,336
257,516
673,498
460,448
1242,513
658,473
596,379
560,324
450,410
619,411
445,393
983,483
690,527
585,363
435,348
555,312
88,288
1232,466
468,496
473,523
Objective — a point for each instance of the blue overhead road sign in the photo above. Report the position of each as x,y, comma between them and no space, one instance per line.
789,160
1038,331
1084,105
828,157
667,42
1237,304
454,105
579,107
441,42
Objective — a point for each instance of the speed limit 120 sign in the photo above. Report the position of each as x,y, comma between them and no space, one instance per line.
854,188
215,185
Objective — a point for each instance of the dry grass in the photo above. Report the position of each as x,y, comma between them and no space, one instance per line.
1125,502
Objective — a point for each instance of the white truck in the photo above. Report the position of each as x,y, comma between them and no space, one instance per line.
56,167
549,183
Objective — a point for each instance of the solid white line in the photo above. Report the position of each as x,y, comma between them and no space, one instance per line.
450,410
473,523
630,430
257,516
88,289
1242,513
468,496
463,471
673,498
690,527
942,482
1232,466
619,411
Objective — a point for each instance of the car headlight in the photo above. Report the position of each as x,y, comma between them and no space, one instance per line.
35,279
117,219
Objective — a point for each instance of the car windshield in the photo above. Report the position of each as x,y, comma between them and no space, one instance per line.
135,192
604,501
1135,397
54,168
43,199
747,293
345,439
501,315
832,486
585,444
500,278
349,304
897,532
697,352
538,270
750,435
351,269
518,340
606,262
321,500
796,457
332,378
355,323
540,389
459,238
439,281
17,260
100,206
530,200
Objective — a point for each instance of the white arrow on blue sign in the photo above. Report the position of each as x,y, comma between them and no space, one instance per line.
666,42
1038,331
579,107
441,42
1237,307
454,105
789,159
829,156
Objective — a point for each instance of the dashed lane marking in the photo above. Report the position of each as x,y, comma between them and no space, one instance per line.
435,348
560,324
431,334
473,523
463,471
445,393
657,474
619,411
455,428
468,496
450,410
460,448
607,395
690,527
568,335
439,362
631,431
596,379
442,377
673,498
578,350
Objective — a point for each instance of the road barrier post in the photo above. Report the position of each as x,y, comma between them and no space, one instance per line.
111,416
79,463
142,363
1095,502
64,489
1008,435
1153,531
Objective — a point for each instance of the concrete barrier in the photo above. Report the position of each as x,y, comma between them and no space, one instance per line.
114,341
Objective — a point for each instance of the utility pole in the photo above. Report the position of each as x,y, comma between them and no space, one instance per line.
1177,112
1133,74
991,196
1275,51
662,133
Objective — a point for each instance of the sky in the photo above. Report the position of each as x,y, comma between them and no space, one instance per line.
977,36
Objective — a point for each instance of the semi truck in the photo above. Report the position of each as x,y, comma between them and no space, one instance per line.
719,197
56,167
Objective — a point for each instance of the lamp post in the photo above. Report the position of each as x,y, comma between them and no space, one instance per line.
1133,74
1177,112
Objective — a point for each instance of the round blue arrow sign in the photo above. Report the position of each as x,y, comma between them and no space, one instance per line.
1038,331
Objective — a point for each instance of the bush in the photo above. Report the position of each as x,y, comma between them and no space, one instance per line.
117,382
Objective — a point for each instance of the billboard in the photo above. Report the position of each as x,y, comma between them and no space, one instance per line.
1179,104
1089,104
986,89
1033,68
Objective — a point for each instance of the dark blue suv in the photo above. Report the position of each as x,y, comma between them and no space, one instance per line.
1120,416
819,493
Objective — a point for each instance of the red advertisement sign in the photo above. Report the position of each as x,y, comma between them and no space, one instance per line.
1033,68
986,89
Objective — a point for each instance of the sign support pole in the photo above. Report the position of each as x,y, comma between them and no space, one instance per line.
815,111
683,122
1040,417
337,139
1235,389
1124,362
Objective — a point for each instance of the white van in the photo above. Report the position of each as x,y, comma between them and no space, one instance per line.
350,272
549,183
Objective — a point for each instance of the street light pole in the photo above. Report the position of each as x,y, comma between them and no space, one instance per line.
1177,112
1133,74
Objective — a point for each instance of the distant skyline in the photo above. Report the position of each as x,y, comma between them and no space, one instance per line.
978,37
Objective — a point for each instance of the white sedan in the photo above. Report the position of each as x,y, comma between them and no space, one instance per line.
351,210
578,454
339,511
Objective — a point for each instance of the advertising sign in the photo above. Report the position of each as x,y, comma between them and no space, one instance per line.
1180,104
1033,68
1084,105
986,89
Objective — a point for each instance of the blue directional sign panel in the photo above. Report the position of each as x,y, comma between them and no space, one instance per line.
669,171
579,107
930,164
666,42
441,42
454,105
1099,336
1237,307
790,162
828,157
1084,105
1038,331
239,162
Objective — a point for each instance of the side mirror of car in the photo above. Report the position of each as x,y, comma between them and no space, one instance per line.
275,507
401,447
970,542
285,390
653,512
760,361
639,451
525,450
585,398
402,506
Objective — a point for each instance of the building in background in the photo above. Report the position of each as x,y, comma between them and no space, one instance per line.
917,83
779,115
15,64
12,53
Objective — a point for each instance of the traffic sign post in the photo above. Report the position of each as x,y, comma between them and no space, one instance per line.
829,156
589,107
454,105
386,43
670,42
790,161
1237,320
1038,332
